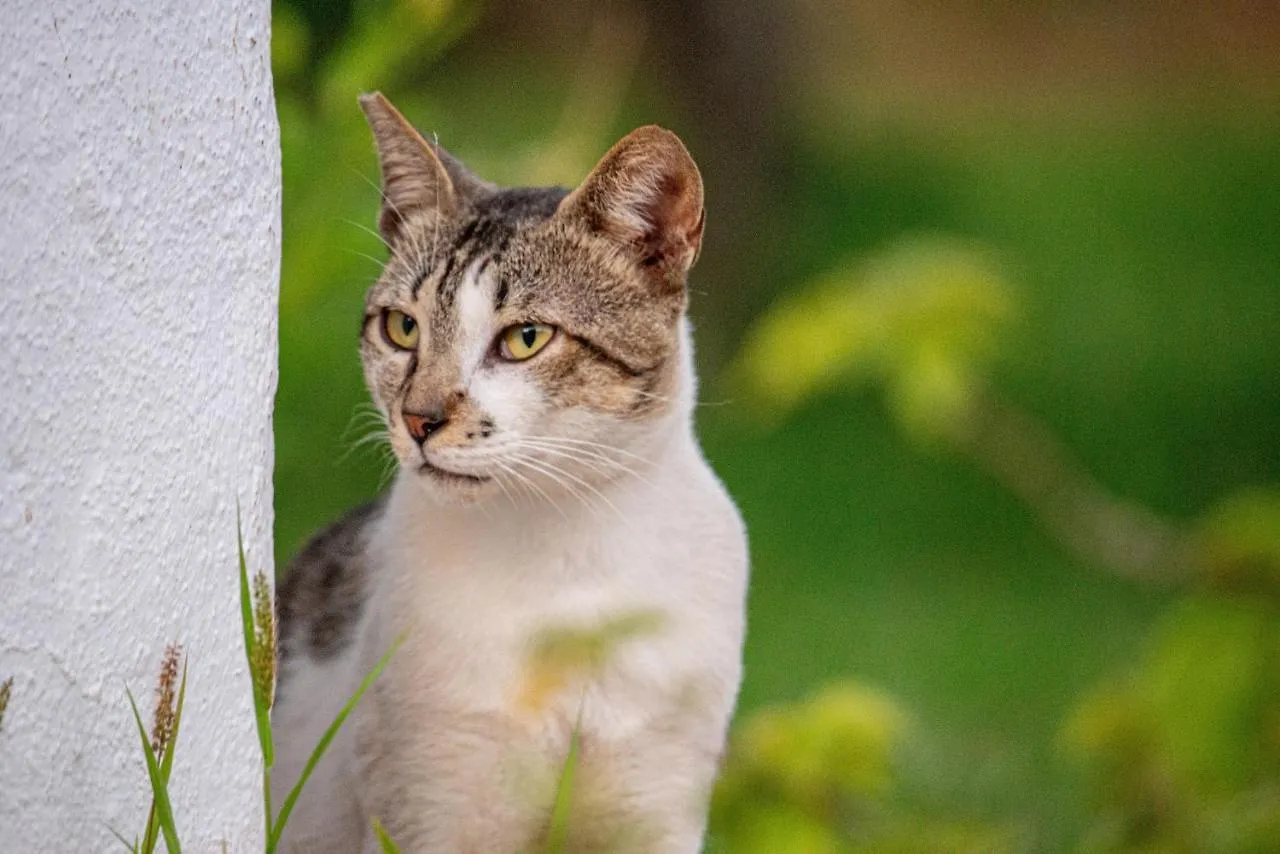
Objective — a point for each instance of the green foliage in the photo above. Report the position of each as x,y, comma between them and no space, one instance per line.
818,777
385,842
1239,541
559,656
158,774
562,806
258,625
922,319
259,648
1184,754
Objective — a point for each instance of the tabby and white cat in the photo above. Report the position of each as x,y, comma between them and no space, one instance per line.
529,352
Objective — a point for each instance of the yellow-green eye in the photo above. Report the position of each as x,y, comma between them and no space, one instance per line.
522,341
401,329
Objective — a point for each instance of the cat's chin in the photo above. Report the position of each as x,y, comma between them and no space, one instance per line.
451,485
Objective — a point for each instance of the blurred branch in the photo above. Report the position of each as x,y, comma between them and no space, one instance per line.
1022,454
923,319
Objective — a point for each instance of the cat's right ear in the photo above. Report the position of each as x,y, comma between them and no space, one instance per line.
646,196
413,178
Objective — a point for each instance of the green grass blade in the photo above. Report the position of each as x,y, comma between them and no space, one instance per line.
166,761
159,789
558,831
128,846
385,842
166,766
262,714
152,836
261,704
329,734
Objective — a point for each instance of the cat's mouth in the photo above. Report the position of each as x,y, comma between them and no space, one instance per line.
449,476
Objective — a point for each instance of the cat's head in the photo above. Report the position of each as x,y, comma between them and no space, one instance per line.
529,340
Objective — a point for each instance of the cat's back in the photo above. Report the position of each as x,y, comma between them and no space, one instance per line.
325,589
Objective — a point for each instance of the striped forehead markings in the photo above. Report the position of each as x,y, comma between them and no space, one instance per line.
482,236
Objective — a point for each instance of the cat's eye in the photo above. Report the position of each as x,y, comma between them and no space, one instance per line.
401,329
523,340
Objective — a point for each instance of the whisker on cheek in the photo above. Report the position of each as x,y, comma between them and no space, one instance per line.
544,470
530,483
596,461
587,443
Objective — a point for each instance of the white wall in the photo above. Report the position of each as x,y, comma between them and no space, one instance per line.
139,253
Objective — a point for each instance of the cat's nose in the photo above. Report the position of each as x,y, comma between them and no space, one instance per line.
422,424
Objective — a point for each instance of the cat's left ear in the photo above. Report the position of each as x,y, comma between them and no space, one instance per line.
416,174
646,194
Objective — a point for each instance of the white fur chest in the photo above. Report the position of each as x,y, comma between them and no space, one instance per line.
610,613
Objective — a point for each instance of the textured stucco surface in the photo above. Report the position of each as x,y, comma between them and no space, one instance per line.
139,232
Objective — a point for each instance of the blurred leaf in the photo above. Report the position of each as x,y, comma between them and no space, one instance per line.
923,318
774,828
1208,679
561,809
1110,720
944,838
823,758
1240,539
559,655
290,43
385,843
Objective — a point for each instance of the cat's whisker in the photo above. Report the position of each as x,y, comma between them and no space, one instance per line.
376,438
590,458
534,486
497,478
364,410
542,467
369,420
415,246
551,469
394,250
583,460
376,435
406,280
584,455
587,443
362,421
391,463
435,235
377,262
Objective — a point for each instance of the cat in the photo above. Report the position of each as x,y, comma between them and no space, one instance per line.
529,352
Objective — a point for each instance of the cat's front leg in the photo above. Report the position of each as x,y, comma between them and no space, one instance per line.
647,794
446,781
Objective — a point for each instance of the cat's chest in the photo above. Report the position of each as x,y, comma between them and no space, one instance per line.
500,625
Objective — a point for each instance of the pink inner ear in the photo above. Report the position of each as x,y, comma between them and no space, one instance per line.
674,216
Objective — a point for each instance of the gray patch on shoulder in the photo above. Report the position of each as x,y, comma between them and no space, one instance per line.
323,594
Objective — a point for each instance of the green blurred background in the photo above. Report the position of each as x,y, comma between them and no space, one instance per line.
988,317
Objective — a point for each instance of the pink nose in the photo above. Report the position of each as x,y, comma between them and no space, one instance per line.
422,424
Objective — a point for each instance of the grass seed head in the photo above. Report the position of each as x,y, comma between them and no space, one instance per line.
166,695
263,664
6,691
